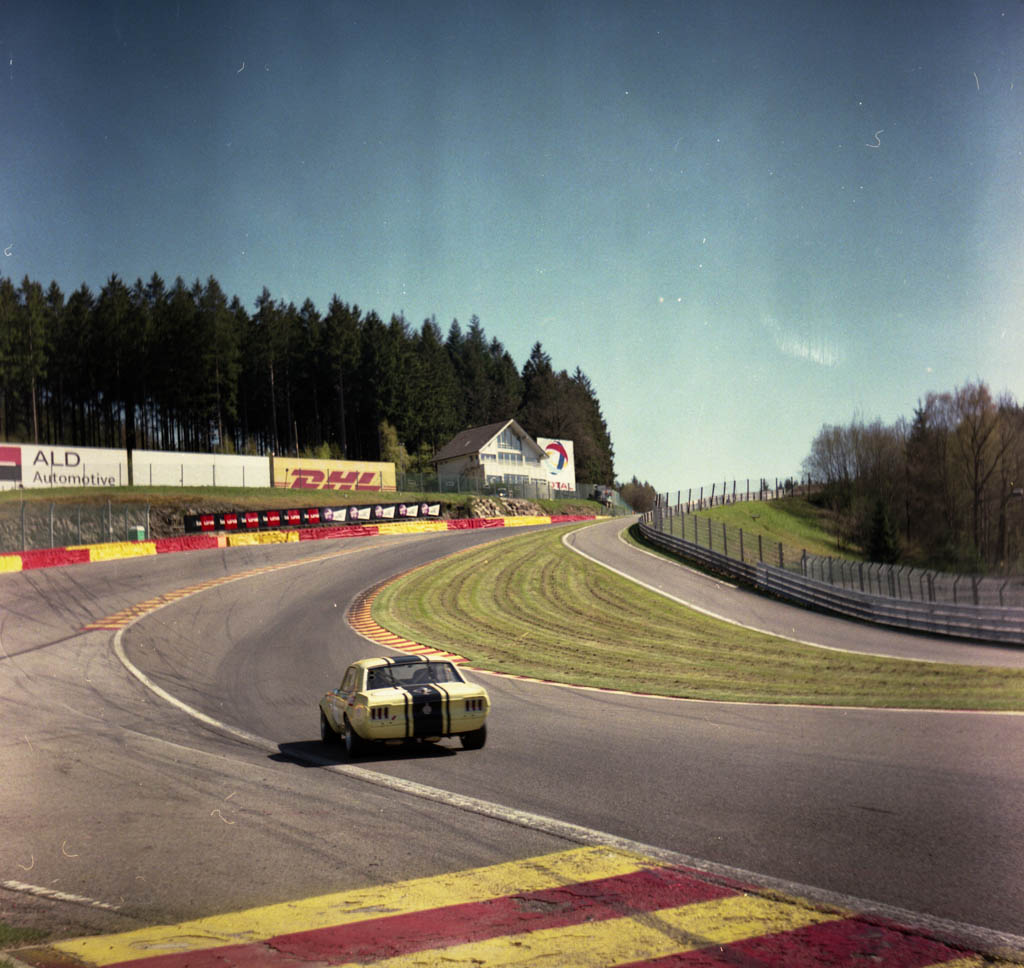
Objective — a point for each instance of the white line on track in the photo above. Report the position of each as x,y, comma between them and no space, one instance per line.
47,892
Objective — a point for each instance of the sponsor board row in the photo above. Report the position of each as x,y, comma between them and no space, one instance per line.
32,466
309,517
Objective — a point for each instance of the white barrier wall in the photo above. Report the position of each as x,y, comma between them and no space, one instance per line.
155,468
30,465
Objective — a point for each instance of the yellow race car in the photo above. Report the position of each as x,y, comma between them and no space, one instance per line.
403,698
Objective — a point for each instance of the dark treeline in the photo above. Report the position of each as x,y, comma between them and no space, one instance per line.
186,368
640,497
943,489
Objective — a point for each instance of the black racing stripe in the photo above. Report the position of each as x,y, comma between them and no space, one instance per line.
427,697
447,708
407,700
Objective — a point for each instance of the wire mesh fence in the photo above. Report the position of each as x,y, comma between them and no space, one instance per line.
34,525
901,582
37,525
525,490
731,492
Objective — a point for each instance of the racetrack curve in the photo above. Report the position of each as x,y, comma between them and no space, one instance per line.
165,818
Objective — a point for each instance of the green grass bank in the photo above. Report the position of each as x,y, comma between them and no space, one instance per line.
527,605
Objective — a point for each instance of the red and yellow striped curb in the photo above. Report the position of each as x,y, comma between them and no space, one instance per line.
360,618
584,907
112,551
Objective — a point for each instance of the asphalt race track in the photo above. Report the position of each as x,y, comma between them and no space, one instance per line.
120,799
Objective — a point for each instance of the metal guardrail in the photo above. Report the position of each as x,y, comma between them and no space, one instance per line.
960,620
885,580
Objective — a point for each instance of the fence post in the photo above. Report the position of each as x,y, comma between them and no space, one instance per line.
803,563
725,541
781,562
760,550
742,559
831,576
51,523
974,588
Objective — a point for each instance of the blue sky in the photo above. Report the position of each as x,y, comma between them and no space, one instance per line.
742,220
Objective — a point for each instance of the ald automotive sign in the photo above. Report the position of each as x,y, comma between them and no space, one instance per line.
25,465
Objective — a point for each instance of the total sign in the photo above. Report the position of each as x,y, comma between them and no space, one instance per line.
563,469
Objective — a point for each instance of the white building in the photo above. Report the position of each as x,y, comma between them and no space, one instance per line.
500,453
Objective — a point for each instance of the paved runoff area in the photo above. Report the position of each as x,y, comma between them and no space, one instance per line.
583,907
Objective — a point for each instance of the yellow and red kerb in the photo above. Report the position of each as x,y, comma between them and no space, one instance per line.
623,910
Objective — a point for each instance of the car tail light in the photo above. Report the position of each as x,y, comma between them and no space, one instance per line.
379,712
474,705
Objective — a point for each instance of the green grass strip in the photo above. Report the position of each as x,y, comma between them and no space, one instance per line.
11,936
527,605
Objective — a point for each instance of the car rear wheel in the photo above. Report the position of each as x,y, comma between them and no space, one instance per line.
355,745
474,740
327,733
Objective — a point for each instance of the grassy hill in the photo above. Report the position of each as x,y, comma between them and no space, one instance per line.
794,521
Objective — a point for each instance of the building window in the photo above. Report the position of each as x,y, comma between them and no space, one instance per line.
509,441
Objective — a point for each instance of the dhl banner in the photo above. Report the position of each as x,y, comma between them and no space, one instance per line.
303,473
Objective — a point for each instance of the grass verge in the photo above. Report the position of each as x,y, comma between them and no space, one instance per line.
527,605
15,937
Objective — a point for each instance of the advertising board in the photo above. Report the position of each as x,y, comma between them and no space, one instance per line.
309,517
156,468
301,473
31,465
563,469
